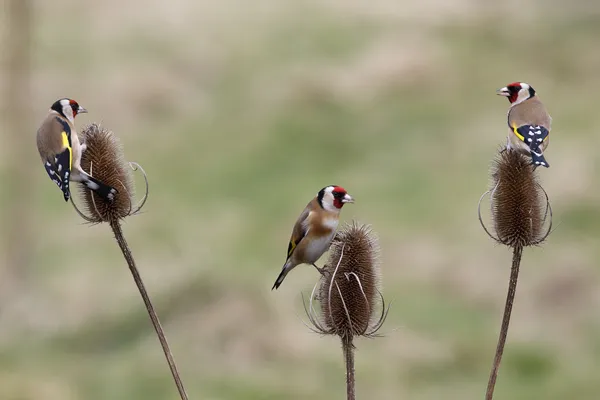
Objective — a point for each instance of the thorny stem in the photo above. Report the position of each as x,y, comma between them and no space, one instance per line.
512,287
348,349
116,227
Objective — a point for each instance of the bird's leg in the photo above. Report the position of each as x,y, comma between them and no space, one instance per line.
506,147
321,270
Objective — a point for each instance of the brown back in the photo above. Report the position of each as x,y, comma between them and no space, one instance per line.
49,138
529,112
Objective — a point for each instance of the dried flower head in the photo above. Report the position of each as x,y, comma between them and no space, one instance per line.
520,206
104,160
520,209
348,291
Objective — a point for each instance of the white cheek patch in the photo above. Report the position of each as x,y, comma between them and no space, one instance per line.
522,95
328,202
68,111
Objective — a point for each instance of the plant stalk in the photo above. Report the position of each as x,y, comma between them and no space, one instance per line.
116,227
512,288
15,113
348,349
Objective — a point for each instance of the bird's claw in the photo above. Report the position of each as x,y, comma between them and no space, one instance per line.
321,270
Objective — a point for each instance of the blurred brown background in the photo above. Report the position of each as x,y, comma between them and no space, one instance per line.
239,114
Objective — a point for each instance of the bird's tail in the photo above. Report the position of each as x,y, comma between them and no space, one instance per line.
66,193
287,267
64,186
103,190
537,158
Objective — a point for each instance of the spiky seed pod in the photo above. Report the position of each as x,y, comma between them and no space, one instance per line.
349,290
349,293
518,202
104,160
520,209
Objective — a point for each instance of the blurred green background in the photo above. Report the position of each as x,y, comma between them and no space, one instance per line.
240,112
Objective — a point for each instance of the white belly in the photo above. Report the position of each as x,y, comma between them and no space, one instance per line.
317,247
515,143
76,148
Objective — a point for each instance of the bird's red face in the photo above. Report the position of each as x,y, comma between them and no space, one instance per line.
333,198
340,197
76,108
516,92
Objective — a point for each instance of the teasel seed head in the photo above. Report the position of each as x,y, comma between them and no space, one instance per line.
105,161
349,291
520,207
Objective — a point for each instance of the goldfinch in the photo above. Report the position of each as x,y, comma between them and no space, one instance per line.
60,150
528,121
314,230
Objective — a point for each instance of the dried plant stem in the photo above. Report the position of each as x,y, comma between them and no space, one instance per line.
116,227
348,349
15,113
512,288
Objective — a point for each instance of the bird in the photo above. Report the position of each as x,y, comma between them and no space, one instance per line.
528,121
60,150
314,230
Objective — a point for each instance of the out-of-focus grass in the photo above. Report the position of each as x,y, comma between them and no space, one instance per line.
239,116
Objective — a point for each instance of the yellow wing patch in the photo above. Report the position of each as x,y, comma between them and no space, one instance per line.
521,137
291,247
65,142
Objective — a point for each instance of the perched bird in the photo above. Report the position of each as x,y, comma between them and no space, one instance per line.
528,121
314,230
60,150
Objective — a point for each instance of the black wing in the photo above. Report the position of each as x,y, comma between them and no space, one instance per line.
300,230
59,168
66,130
534,136
59,171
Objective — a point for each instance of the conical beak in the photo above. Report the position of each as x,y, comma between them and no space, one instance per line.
81,110
503,92
347,199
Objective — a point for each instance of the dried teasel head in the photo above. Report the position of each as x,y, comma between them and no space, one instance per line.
520,206
105,161
350,299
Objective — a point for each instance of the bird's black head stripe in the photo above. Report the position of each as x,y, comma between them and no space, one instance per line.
320,197
56,106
